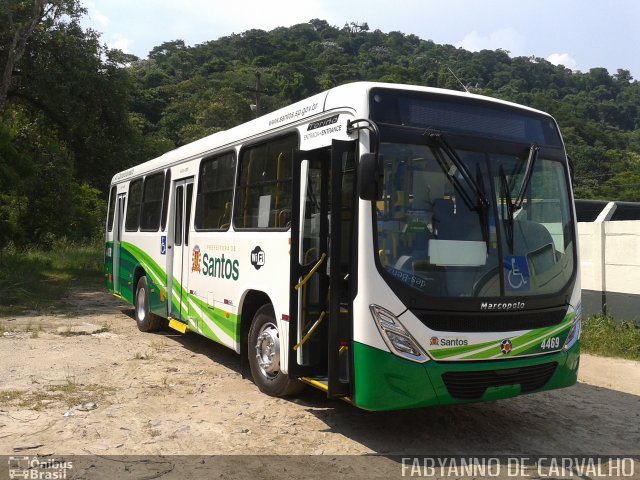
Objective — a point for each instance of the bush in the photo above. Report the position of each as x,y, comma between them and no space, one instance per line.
37,278
602,335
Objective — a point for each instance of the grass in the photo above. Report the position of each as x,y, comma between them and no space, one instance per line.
4,328
34,330
148,355
38,280
602,335
68,394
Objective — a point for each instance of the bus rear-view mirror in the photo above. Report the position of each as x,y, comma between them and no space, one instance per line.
371,175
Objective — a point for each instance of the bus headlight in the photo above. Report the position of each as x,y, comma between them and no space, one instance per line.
397,338
576,330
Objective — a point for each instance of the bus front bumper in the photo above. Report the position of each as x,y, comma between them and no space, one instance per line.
384,381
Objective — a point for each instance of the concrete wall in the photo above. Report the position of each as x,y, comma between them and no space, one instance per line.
610,264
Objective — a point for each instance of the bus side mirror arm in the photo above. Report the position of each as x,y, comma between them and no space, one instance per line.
371,166
370,176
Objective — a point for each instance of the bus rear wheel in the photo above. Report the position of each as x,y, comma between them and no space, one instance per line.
146,321
264,356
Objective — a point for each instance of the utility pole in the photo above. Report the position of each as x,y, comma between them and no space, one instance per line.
257,90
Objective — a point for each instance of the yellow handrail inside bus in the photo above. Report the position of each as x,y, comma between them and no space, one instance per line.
305,290
310,332
313,270
307,253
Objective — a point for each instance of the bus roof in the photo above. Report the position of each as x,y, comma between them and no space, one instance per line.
337,97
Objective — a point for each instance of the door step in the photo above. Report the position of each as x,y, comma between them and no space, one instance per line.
319,382
178,326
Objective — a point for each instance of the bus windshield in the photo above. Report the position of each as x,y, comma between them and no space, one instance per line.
513,237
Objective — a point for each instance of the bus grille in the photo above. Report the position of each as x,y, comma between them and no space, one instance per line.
472,385
491,321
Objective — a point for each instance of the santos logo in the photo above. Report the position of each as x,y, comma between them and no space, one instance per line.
220,267
449,342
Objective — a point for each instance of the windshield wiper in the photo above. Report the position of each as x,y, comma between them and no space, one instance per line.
484,212
511,204
473,194
505,194
531,161
476,185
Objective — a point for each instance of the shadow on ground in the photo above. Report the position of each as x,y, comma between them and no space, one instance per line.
546,423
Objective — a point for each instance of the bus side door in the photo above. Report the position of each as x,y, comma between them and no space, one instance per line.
117,240
309,281
179,258
322,260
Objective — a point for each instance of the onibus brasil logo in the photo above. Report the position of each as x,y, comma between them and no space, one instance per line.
37,468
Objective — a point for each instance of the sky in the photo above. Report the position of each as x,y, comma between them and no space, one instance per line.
579,34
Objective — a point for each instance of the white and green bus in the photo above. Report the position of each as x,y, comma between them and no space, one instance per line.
395,246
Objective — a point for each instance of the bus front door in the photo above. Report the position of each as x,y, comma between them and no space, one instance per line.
117,239
322,233
179,257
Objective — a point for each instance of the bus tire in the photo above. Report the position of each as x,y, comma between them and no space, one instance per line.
264,356
146,321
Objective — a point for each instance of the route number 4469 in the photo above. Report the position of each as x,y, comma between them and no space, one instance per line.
550,343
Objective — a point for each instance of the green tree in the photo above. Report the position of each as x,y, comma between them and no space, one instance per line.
19,20
67,124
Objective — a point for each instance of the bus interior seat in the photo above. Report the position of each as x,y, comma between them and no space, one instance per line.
405,262
282,218
457,222
225,219
536,243
442,212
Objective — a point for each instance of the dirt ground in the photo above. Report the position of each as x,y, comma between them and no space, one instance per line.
89,382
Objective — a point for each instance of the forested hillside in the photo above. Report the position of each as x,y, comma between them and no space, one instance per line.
74,112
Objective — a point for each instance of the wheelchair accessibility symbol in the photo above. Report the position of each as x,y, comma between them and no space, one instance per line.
516,273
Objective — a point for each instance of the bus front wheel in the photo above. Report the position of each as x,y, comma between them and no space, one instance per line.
146,321
264,356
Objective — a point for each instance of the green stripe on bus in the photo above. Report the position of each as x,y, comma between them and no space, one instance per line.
132,256
530,340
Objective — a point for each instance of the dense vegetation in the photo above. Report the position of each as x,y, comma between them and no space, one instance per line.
602,335
73,112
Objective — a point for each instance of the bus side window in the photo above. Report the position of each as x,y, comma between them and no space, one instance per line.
263,193
112,209
215,193
133,206
151,202
165,199
177,234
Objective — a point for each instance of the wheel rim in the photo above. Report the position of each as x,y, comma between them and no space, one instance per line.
268,350
141,304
